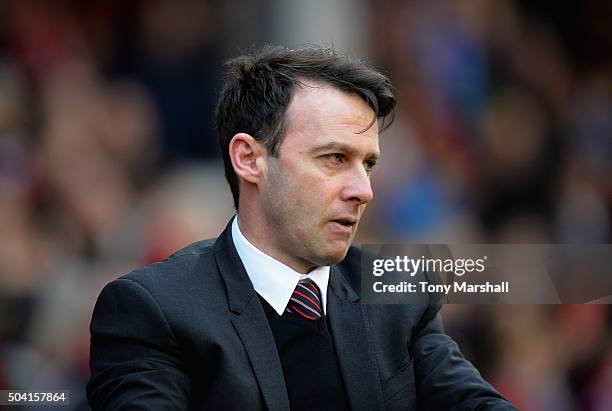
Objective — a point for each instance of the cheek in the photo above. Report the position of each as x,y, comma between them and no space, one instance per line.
300,235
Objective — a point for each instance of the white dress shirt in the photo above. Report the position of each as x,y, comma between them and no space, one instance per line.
273,280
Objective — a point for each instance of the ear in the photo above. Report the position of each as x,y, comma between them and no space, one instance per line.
248,157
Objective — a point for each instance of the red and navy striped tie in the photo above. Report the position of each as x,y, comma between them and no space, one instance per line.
306,300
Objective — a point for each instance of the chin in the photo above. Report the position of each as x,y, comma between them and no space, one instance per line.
334,256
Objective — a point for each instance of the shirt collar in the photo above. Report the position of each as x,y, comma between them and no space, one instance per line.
273,280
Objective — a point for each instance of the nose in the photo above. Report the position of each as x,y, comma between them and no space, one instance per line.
358,188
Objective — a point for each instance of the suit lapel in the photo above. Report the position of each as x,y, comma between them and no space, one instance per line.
254,331
251,324
348,320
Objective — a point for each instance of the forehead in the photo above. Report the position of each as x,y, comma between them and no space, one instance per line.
320,113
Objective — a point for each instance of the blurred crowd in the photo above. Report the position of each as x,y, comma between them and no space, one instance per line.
109,161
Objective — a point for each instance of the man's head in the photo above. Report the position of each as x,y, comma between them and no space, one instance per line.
299,135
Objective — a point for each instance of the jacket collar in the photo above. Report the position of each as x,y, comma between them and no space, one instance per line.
240,291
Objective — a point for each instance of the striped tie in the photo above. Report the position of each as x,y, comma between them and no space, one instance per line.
306,300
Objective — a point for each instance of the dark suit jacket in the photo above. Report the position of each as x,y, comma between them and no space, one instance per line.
190,333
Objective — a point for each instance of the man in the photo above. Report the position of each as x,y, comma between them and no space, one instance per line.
268,315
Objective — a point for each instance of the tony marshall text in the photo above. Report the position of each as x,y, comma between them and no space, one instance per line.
426,287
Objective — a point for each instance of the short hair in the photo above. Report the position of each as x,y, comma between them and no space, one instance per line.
259,86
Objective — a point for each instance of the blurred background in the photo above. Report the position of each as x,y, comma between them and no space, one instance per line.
109,161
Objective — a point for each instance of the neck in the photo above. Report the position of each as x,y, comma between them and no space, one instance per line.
257,235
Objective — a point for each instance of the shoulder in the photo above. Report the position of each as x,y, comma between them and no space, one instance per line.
188,270
180,263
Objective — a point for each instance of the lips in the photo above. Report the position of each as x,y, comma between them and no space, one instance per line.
344,224
346,221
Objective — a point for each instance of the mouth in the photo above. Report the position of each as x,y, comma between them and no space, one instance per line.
344,224
348,222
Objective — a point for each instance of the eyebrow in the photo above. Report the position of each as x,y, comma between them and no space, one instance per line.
336,146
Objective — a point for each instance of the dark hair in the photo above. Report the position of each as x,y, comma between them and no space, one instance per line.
259,86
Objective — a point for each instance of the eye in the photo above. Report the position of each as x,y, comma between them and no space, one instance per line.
336,158
369,165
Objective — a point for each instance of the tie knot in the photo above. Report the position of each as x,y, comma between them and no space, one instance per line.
306,300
